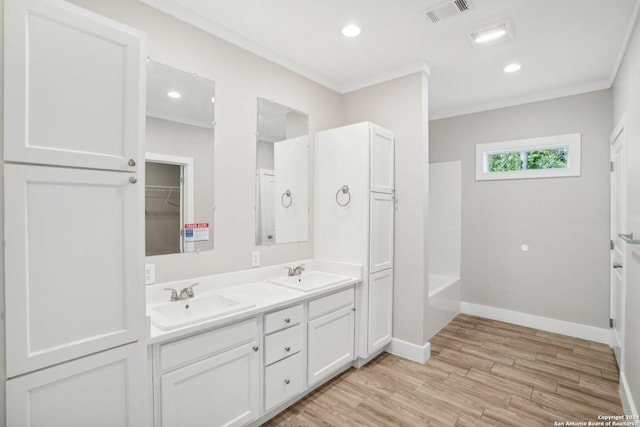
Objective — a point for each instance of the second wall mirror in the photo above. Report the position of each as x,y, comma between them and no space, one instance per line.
282,174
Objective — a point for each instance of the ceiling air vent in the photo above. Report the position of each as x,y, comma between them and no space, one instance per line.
450,8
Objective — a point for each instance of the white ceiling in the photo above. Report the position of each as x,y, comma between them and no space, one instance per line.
565,46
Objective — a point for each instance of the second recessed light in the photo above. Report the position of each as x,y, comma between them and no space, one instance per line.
512,68
351,30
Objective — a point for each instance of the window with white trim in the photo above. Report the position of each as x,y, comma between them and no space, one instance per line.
546,157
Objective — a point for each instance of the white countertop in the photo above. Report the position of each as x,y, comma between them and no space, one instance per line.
264,295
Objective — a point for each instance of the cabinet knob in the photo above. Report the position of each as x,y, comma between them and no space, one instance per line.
256,348
132,162
133,179
287,349
287,320
287,381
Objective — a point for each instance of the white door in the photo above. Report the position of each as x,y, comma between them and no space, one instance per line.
73,253
222,390
382,160
102,390
291,198
381,232
619,225
380,310
74,85
330,343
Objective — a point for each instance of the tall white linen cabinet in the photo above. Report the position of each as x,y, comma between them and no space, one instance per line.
353,221
73,181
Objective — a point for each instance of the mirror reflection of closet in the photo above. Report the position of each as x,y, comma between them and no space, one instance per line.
179,161
282,193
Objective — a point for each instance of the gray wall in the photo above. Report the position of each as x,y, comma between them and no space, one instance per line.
240,78
565,221
401,106
626,101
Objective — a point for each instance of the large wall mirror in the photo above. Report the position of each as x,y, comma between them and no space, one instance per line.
179,161
282,174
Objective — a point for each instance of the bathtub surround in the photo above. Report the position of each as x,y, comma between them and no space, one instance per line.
444,233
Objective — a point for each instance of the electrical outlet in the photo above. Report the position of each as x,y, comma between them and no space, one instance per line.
149,274
255,259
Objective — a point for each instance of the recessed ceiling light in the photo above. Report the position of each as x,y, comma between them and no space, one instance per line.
351,30
512,68
490,35
173,94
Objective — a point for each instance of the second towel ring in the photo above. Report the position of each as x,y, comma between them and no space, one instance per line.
282,199
345,190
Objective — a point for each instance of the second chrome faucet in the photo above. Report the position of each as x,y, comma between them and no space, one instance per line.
295,271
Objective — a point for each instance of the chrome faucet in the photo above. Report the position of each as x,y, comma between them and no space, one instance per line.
296,271
184,293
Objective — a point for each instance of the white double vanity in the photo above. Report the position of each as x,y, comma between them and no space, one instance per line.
233,369
86,343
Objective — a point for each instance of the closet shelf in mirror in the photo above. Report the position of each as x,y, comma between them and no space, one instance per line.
163,188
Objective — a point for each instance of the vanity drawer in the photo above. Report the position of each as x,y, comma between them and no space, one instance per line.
283,380
331,303
282,344
189,349
282,319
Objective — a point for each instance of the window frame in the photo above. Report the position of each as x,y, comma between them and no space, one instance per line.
572,141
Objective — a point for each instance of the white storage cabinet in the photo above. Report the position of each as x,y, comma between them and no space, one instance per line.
354,199
74,254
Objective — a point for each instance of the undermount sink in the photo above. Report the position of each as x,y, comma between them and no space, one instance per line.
177,314
311,281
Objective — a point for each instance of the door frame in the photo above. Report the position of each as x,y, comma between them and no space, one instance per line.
187,199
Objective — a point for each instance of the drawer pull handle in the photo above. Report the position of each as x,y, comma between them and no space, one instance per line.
287,320
287,381
133,179
131,162
287,349
256,348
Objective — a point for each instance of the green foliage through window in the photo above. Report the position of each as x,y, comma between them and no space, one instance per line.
551,158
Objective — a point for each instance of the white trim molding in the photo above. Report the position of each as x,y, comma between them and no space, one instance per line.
591,333
410,351
628,404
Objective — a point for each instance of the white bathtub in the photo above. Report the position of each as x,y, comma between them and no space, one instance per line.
439,283
444,301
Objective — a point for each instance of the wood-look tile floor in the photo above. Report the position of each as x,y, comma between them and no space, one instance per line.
481,373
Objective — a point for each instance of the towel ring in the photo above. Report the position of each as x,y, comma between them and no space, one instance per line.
285,195
344,190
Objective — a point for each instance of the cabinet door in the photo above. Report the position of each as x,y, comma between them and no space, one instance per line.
102,390
74,86
74,282
380,309
222,390
382,160
381,232
330,343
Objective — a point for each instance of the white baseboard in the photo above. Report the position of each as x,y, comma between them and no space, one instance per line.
627,399
577,330
410,351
